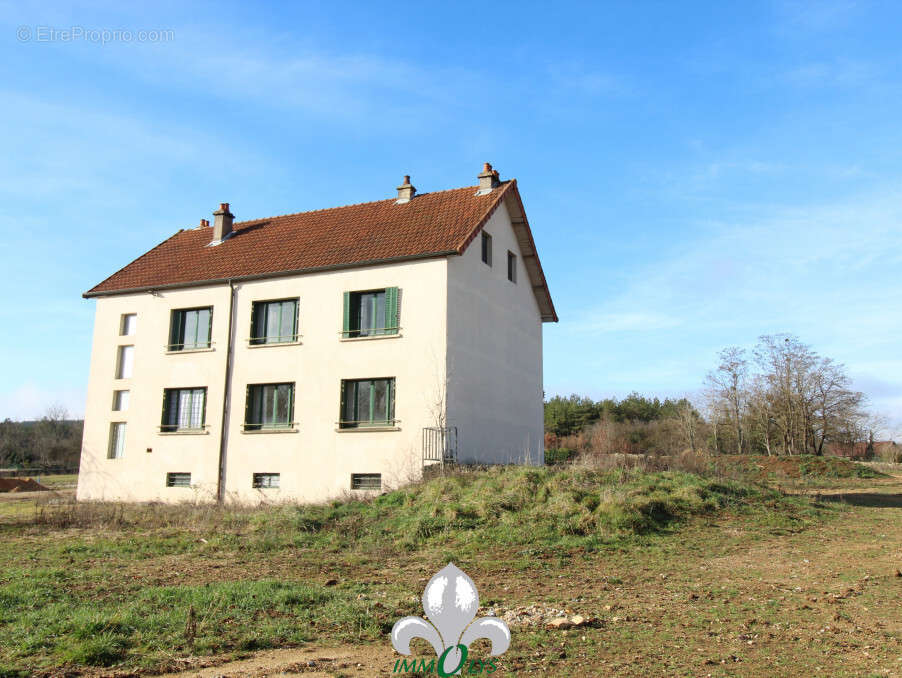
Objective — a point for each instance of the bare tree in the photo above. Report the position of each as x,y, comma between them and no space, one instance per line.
835,404
760,414
727,384
688,419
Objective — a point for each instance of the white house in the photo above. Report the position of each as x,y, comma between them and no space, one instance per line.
320,354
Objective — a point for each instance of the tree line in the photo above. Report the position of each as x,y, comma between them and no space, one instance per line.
50,442
779,398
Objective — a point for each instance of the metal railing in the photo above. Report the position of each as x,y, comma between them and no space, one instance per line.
270,339
370,332
262,426
185,346
175,428
439,445
367,423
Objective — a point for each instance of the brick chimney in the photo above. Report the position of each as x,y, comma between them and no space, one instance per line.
406,190
488,179
222,223
204,223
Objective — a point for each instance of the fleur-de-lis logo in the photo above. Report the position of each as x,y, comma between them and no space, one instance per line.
450,602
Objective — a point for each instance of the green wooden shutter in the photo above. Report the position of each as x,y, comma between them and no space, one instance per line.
346,321
391,310
252,334
165,418
174,329
341,403
247,405
391,402
295,331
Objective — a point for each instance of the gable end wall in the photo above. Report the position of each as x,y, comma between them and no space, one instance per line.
494,353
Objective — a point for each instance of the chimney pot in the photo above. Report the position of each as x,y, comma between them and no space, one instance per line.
222,222
406,190
488,179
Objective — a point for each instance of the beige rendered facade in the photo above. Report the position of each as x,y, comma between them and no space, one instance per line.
467,354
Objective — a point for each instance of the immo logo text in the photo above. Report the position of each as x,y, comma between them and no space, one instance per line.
450,602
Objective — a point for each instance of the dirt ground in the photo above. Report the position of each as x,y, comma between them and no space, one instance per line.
718,601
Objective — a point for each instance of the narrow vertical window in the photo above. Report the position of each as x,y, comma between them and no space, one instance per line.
120,400
274,322
189,329
486,249
116,449
125,362
367,402
511,266
184,409
127,324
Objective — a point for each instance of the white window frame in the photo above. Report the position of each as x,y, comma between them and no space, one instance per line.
116,448
125,361
121,399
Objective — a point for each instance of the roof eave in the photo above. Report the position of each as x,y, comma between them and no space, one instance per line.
92,294
521,225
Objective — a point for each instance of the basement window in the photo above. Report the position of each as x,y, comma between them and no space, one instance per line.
366,481
190,328
184,409
269,406
512,267
486,249
264,481
370,313
274,322
178,480
116,448
367,403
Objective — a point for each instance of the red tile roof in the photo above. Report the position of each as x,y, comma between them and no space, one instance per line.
431,224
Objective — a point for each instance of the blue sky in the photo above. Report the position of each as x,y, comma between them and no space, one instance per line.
696,174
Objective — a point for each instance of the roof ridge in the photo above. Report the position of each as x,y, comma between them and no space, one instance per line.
354,204
490,210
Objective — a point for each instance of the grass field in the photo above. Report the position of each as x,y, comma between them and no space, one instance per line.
686,575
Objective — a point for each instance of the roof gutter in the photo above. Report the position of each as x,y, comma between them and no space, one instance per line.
263,276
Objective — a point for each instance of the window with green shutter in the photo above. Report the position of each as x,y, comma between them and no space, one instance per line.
371,313
274,322
367,402
190,329
269,406
184,409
